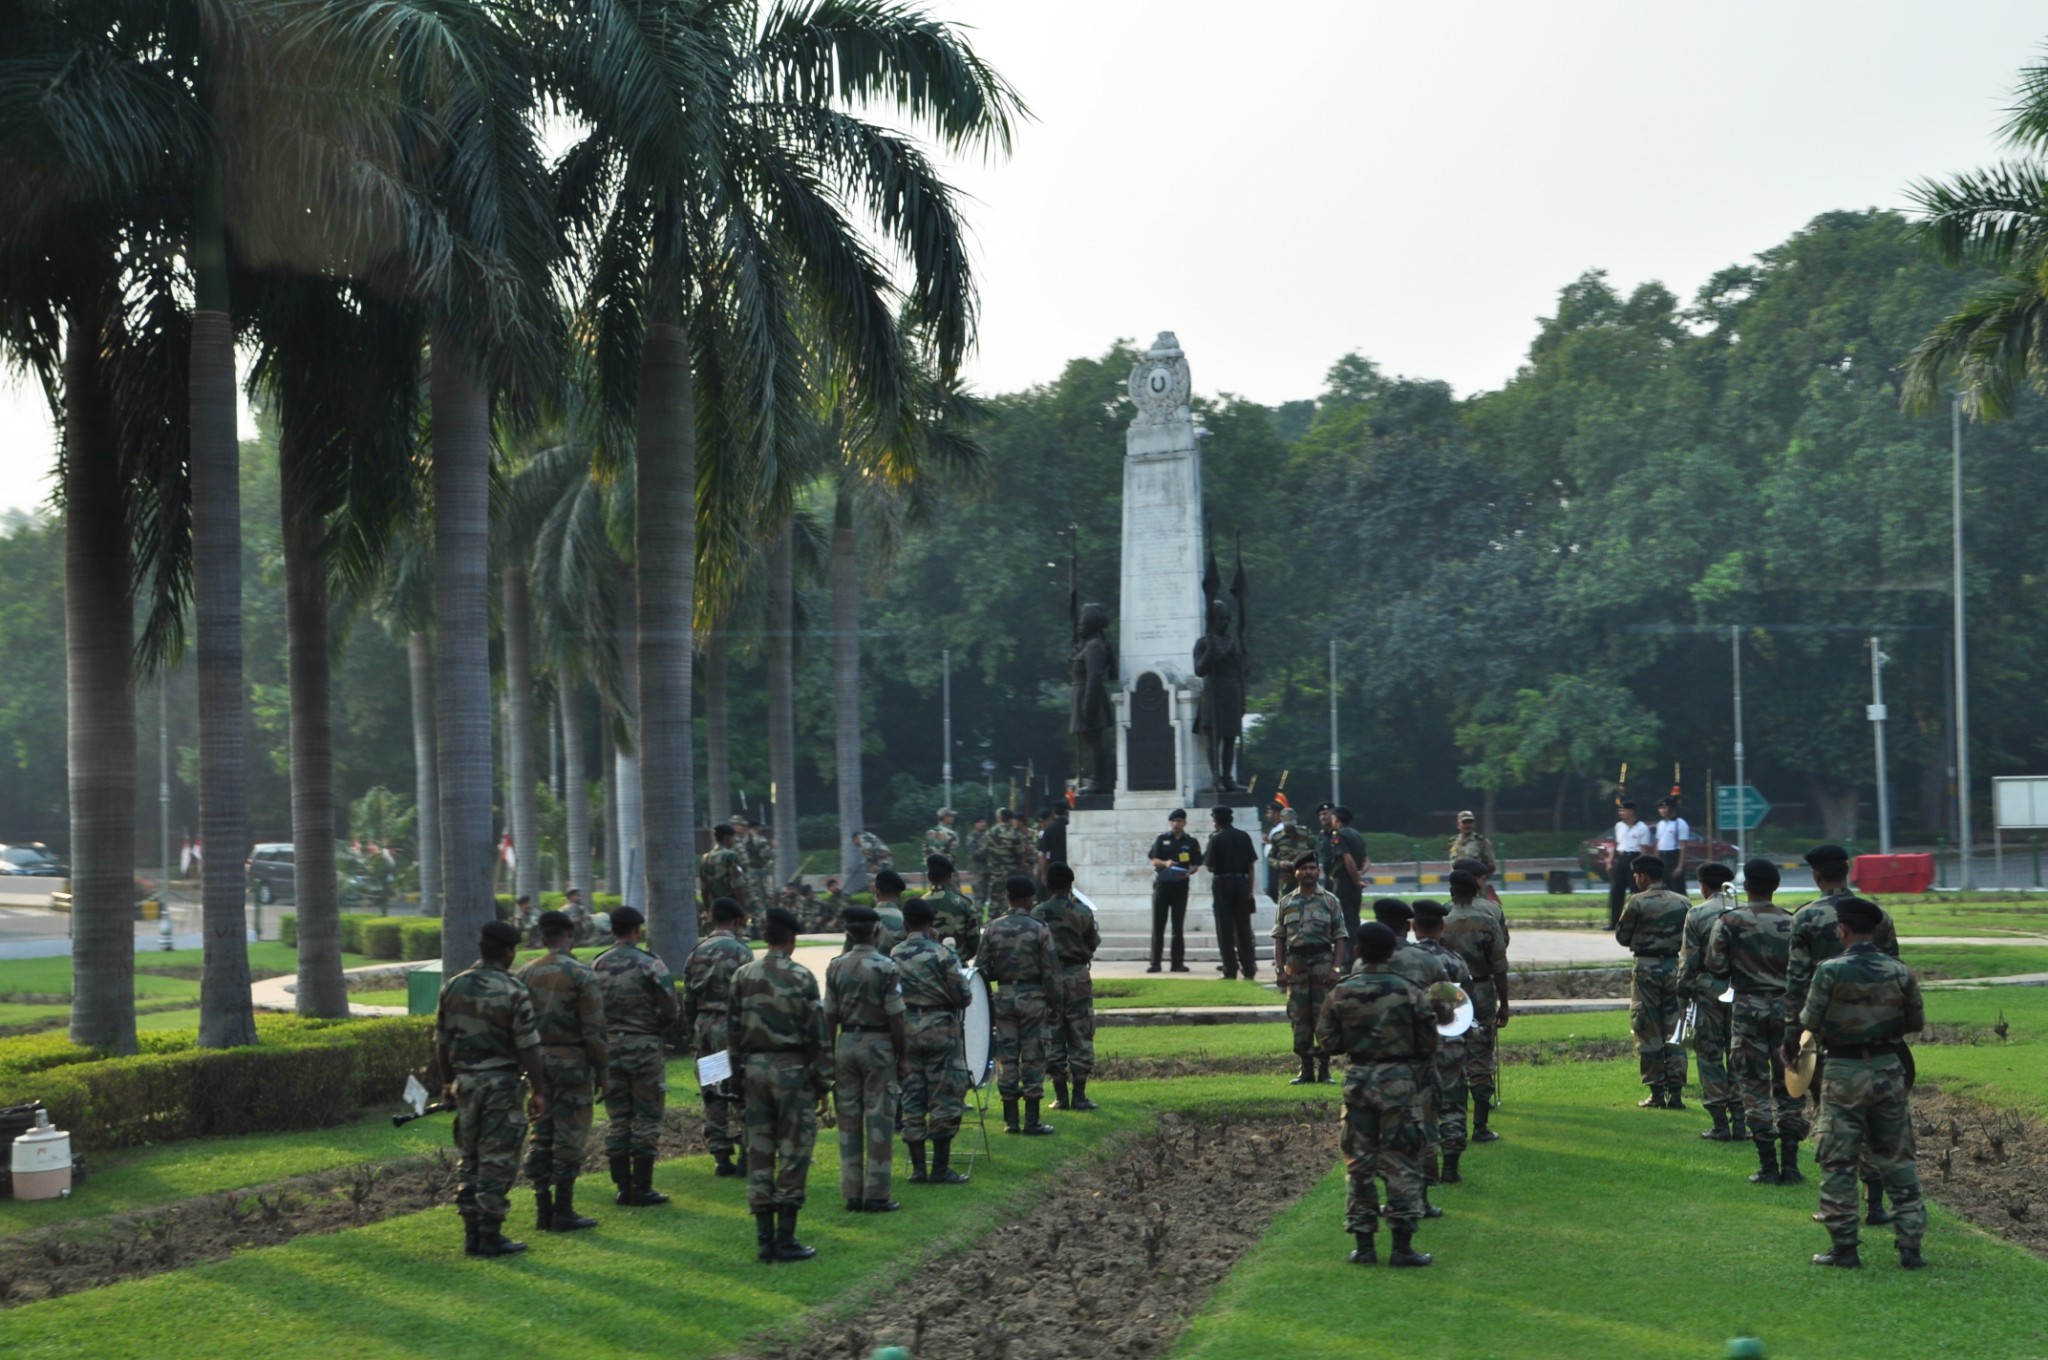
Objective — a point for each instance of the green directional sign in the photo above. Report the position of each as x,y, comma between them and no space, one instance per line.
1739,807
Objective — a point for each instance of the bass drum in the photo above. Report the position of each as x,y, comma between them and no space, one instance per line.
978,1030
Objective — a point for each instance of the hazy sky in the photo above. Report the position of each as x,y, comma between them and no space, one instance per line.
1283,182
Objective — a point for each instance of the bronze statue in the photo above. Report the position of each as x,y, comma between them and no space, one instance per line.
1092,665
1221,663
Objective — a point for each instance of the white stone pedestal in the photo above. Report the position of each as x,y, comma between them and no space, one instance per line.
1107,848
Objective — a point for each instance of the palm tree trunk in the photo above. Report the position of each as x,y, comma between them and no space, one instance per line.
322,989
717,747
632,871
845,567
99,703
575,780
419,658
519,753
462,666
781,658
608,761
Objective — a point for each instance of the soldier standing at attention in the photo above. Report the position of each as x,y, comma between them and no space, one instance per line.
1861,1006
935,1087
954,915
707,997
1174,857
1631,838
484,1037
889,887
875,855
568,1013
722,873
977,859
1423,969
1450,1053
1230,859
1345,864
1469,844
639,1004
1019,957
1653,927
579,916
941,838
864,1019
1472,932
775,1034
1749,946
1070,1042
1385,1026
759,858
1001,851
1286,843
1306,929
1702,989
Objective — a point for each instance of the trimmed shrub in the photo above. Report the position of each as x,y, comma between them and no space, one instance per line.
381,939
420,938
288,930
352,933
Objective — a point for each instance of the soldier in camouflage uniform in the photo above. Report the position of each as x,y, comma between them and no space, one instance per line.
1070,1042
1711,1016
707,997
935,1086
1450,1053
864,1018
1749,946
941,838
1009,851
1306,930
875,855
578,912
1383,1024
1469,844
1286,842
1019,957
484,1037
758,855
1652,925
568,1011
722,873
775,1032
1473,931
1861,1006
954,915
832,907
889,890
977,859
1424,970
639,1004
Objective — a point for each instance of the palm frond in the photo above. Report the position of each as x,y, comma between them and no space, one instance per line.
1995,345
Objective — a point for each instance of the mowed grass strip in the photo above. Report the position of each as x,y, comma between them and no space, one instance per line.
1601,1232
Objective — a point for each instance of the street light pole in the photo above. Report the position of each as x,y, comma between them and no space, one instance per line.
1967,878
946,696
1877,716
1741,776
1335,764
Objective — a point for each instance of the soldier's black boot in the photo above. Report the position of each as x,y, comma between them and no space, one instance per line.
643,1181
918,1175
879,1206
1673,1098
726,1165
1844,1258
1323,1071
1719,1133
543,1206
1738,1127
1482,1110
942,1164
1366,1254
1404,1253
1652,1101
787,1248
1766,1172
1059,1093
1010,1115
1911,1259
1081,1100
491,1241
1308,1072
622,1177
566,1218
1429,1210
1788,1162
469,1234
764,1235
1032,1123
1450,1174
1876,1215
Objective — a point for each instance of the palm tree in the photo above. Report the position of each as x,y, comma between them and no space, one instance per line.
405,606
1996,342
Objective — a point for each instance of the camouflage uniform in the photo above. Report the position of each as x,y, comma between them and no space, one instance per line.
1814,941
759,858
1018,955
1070,1045
875,853
1749,946
832,909
956,917
1474,846
1861,1005
1306,930
1009,852
568,1013
775,1032
941,839
1653,926
722,873
1383,1024
1475,934
1450,1059
934,995
639,1003
1285,843
486,1019
1702,989
862,997
978,862
707,996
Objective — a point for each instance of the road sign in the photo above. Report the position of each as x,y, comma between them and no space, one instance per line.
1739,807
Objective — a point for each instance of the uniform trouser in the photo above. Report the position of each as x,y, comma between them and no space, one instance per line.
1758,1029
866,1096
1653,1010
559,1137
1232,905
1070,1045
635,1093
1170,902
1711,1033
1620,883
935,1092
1308,988
1351,897
723,1113
1383,1136
1020,1040
1866,1116
1479,1042
782,1128
489,1122
1450,1094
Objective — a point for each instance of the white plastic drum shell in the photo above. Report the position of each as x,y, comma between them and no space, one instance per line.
41,1163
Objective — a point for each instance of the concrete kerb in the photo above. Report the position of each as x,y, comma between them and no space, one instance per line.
280,993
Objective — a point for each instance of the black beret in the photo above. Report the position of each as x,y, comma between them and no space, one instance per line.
1177,815
1019,886
860,916
918,912
1647,864
1392,909
499,933
784,918
1429,909
1307,857
627,918
1859,915
937,866
1374,938
1326,807
725,909
889,881
556,923
1826,854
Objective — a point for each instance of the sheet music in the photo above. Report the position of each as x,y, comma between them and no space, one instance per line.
714,1068
415,1095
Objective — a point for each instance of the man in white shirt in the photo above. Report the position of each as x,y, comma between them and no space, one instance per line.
1673,831
1631,838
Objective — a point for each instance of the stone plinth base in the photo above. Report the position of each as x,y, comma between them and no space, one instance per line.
1107,848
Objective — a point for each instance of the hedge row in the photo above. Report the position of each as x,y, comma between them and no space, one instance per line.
310,1075
414,937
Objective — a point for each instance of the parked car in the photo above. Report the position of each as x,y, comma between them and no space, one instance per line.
273,873
32,859
1597,854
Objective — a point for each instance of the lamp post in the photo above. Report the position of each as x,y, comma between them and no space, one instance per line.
1967,878
1741,775
1336,796
946,723
1876,712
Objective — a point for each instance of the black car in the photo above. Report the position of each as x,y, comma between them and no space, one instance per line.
273,873
33,860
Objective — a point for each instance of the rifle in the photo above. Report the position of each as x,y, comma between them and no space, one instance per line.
399,1121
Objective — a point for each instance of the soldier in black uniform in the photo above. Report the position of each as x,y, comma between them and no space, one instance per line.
1174,856
1231,860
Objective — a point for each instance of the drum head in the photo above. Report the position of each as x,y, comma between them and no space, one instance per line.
1799,1076
1461,1017
1728,995
978,1030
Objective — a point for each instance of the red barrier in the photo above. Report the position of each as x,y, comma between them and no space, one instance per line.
1892,873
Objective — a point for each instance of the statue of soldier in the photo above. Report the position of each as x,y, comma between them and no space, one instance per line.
1221,663
1090,666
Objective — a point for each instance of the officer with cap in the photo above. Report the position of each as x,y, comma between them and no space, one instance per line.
484,1037
775,1034
568,1010
707,996
1469,844
935,1087
864,1021
639,1005
1174,857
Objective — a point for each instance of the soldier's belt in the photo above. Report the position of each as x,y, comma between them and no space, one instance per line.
501,1069
932,1010
1862,1050
573,1046
774,1052
865,1029
1020,986
718,1009
1646,954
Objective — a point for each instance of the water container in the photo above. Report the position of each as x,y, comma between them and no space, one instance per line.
42,1161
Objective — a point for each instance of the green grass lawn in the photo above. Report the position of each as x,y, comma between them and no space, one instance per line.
1127,993
1976,913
